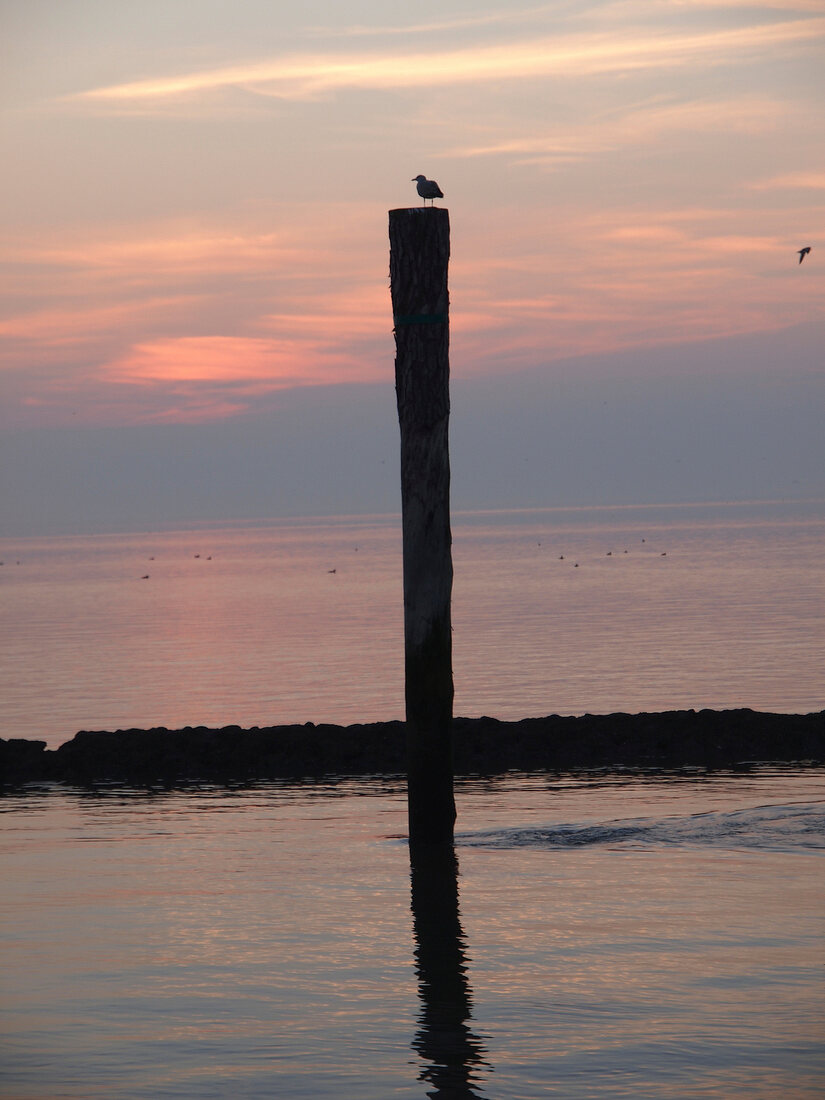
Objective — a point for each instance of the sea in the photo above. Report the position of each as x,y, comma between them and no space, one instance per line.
606,934
558,611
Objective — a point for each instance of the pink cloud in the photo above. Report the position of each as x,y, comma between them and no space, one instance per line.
202,377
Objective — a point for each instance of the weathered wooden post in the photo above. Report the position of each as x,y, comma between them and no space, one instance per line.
419,255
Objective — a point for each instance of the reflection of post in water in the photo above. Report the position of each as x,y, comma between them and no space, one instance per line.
445,1042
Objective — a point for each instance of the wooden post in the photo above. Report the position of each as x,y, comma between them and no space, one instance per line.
419,254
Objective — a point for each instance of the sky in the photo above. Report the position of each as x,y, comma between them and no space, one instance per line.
195,320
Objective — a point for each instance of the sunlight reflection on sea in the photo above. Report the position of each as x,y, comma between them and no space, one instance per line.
260,942
562,611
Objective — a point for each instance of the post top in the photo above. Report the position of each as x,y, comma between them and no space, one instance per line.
419,210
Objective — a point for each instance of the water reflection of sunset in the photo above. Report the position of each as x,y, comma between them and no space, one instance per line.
709,606
269,941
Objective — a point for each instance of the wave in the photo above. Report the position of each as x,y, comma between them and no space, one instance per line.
766,828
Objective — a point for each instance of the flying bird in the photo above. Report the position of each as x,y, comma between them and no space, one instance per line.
803,252
427,189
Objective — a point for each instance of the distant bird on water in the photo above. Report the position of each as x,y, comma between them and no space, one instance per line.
803,252
428,189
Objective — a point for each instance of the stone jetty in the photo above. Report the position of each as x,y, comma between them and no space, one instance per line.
705,739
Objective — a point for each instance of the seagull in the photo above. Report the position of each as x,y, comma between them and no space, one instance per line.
803,252
428,189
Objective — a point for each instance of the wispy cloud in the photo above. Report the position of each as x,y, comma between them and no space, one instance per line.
509,17
595,281
242,364
176,323
310,76
64,326
624,10
644,124
210,377
806,181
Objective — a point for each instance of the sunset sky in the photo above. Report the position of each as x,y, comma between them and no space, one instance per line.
195,315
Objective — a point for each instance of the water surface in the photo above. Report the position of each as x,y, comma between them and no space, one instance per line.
564,611
603,937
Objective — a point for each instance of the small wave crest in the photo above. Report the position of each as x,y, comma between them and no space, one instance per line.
767,828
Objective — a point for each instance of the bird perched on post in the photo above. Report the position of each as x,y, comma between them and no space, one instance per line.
427,189
803,252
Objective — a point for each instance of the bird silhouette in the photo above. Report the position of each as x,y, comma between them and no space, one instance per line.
427,189
803,252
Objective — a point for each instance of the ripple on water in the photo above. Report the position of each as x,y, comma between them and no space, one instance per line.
763,828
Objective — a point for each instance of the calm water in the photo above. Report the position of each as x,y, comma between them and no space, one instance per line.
564,611
604,937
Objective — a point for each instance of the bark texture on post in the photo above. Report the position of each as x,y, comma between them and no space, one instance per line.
419,255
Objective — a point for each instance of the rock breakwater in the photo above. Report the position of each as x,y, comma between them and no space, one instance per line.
482,746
